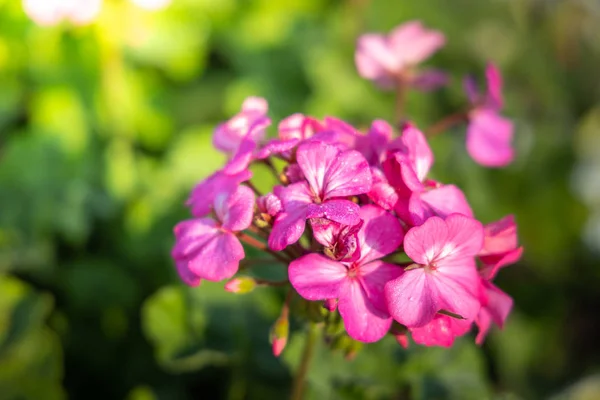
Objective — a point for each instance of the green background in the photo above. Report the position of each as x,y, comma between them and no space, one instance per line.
104,129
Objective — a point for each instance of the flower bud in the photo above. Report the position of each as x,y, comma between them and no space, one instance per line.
240,285
279,334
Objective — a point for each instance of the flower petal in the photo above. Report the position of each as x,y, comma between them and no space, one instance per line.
413,43
465,238
373,277
203,195
411,298
441,201
235,211
342,211
380,234
362,320
316,277
217,259
441,331
424,243
290,222
489,138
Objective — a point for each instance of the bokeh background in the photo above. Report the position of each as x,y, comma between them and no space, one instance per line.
104,129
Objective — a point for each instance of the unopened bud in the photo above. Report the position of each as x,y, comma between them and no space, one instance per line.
279,334
240,285
330,304
400,333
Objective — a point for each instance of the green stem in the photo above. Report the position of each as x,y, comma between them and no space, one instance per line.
309,348
447,123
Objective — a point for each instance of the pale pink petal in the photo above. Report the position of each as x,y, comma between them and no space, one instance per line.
242,158
424,243
374,58
489,138
298,127
342,211
235,211
429,79
255,104
464,240
250,123
411,298
203,195
380,235
362,320
373,277
290,222
373,145
276,146
441,201
413,43
441,331
314,159
316,277
191,234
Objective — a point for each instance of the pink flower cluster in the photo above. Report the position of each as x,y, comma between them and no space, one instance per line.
77,12
350,208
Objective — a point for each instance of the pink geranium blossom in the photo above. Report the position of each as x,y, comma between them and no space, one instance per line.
207,248
52,12
444,276
358,285
330,176
440,331
406,168
489,135
202,198
391,59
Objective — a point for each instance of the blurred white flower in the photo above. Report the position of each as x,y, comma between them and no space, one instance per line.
52,12
151,4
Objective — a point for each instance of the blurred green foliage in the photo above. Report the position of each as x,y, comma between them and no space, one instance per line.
105,128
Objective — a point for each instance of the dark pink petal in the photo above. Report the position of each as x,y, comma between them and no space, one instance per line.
342,211
489,138
419,152
290,222
380,235
494,87
187,276
424,243
362,320
413,43
500,236
494,262
276,146
411,298
457,287
293,173
316,277
331,304
235,211
384,195
203,195
373,277
332,173
206,251
496,307
373,145
441,331
441,201
429,79
269,204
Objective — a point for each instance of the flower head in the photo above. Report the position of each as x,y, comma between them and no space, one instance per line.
391,59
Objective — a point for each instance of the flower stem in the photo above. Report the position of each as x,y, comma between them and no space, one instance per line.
400,100
447,123
309,348
252,241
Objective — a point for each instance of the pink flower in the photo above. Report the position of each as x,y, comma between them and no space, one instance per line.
389,60
52,12
340,241
358,285
495,307
406,169
500,246
374,144
208,249
249,123
330,176
489,135
202,198
440,331
444,277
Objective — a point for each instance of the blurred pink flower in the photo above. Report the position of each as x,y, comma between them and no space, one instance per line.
390,59
52,12
489,135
